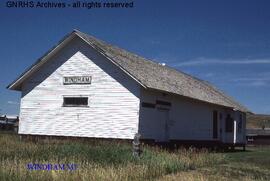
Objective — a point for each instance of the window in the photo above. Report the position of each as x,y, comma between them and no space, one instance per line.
229,123
148,105
75,101
240,123
165,103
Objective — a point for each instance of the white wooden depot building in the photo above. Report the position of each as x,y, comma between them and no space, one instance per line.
84,87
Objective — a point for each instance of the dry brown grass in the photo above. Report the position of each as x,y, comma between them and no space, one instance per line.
113,161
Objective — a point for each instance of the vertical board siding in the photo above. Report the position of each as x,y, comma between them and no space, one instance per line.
113,97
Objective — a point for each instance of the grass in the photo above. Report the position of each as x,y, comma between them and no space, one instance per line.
104,160
253,164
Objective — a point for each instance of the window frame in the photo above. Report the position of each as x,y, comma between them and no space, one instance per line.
148,105
240,123
229,124
163,103
75,105
215,124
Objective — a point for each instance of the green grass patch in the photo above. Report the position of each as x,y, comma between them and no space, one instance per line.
111,160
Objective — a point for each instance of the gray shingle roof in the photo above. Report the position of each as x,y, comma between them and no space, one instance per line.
151,74
156,76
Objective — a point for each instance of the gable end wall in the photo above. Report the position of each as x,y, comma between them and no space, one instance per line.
113,97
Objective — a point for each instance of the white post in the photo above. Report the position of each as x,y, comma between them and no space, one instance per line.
234,131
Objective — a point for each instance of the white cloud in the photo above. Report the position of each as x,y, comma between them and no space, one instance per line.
241,78
209,74
255,80
247,79
258,83
206,61
12,102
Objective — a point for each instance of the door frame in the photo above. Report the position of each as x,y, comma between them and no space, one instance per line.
215,125
166,136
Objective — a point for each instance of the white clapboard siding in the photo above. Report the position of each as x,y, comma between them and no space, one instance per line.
113,97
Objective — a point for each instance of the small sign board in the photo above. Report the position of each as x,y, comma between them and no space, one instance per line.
77,80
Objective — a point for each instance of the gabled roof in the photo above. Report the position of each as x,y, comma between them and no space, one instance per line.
149,74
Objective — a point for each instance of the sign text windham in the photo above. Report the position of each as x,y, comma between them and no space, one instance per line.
77,80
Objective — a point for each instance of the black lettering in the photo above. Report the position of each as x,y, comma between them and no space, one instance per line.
11,4
50,5
32,4
118,5
76,5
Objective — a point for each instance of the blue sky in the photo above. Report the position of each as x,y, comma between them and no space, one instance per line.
224,42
